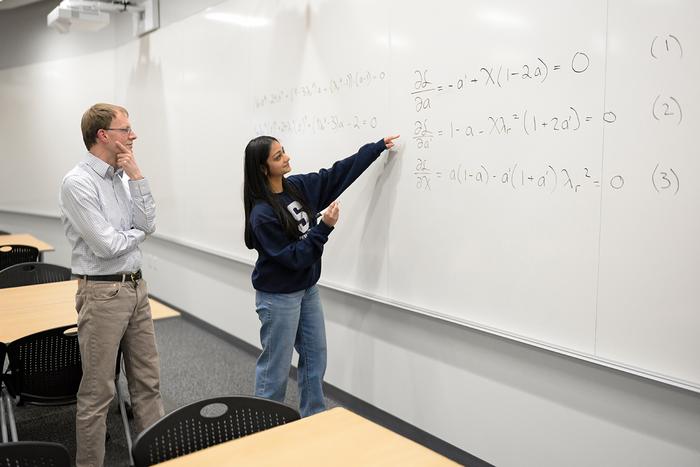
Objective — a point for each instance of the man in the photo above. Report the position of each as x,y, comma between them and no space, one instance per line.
105,219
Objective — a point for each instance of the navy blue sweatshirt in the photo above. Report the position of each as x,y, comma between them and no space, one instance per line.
285,265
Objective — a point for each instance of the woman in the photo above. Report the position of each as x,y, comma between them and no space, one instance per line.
281,224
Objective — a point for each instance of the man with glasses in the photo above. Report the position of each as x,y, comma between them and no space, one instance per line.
107,210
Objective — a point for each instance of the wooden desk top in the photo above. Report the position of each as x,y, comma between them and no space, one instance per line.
336,437
34,308
25,239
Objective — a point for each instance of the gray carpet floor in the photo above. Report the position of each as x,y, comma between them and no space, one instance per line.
195,364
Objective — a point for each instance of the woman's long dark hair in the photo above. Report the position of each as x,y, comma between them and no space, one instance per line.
256,188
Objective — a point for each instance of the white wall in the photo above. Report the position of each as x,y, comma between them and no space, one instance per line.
505,402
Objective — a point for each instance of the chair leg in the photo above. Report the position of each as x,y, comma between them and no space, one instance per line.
11,418
5,401
3,428
125,420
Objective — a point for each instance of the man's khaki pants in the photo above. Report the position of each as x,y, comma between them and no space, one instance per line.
110,314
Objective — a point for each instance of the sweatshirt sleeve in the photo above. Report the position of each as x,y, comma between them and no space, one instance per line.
293,254
324,187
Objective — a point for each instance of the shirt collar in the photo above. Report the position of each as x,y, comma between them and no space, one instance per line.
102,168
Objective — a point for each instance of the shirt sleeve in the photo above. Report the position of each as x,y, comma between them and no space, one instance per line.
81,207
324,187
295,255
143,206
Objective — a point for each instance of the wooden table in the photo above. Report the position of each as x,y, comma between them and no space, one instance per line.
33,308
26,239
336,437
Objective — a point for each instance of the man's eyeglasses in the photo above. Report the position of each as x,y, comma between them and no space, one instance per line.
128,130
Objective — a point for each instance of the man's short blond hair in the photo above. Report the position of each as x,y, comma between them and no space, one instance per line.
97,117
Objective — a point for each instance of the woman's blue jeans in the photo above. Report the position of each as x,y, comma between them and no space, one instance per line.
292,321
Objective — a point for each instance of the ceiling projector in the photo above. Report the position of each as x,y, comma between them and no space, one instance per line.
67,17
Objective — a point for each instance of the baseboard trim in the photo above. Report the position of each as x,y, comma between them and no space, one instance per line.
351,402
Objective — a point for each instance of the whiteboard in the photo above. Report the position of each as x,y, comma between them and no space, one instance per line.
39,144
544,190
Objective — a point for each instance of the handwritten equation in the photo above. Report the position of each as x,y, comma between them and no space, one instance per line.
491,75
524,122
332,86
313,124
547,178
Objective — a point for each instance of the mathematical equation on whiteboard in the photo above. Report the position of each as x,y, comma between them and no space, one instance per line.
314,124
525,122
427,127
664,180
330,87
497,76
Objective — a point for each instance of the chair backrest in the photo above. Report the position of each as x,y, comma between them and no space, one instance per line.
45,367
194,426
32,273
33,454
15,254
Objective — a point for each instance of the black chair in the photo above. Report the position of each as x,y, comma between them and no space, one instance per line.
15,254
194,426
32,273
45,367
34,454
3,425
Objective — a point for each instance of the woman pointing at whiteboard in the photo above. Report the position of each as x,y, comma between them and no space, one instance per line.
281,225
